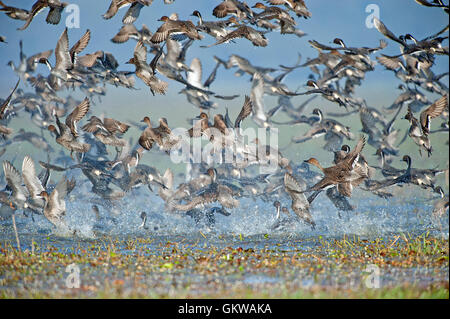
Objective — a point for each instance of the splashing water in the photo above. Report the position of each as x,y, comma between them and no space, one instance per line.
373,217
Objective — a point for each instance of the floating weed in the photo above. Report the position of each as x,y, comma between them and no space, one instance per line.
205,269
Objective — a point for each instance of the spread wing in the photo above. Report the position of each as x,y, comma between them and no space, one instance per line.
245,111
14,181
434,110
80,45
54,15
124,33
38,6
76,115
385,31
112,10
30,178
8,99
140,52
194,77
62,55
352,157
132,13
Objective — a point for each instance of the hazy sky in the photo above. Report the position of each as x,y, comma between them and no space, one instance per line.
345,19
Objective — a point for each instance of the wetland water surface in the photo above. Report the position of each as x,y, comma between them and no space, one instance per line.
384,248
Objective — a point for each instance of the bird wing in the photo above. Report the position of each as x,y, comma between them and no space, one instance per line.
345,189
194,77
385,31
57,203
434,110
352,157
291,184
245,111
30,178
256,97
31,60
38,6
14,181
140,52
124,33
62,54
112,10
132,13
8,99
54,15
222,9
80,45
390,63
77,114
113,125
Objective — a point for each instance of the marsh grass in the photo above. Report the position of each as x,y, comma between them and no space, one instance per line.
411,266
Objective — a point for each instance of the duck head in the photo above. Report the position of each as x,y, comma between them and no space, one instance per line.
408,36
315,162
345,148
233,19
339,42
196,13
259,5
212,173
440,191
312,83
409,116
318,113
277,204
379,152
11,205
164,19
202,116
407,159
52,129
43,195
146,120
131,61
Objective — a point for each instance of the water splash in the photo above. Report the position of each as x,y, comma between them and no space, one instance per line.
373,217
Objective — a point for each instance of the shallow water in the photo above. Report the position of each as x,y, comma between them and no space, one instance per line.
248,228
373,217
